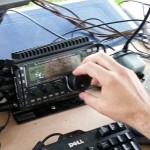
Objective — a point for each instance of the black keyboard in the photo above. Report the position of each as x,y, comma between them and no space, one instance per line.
115,136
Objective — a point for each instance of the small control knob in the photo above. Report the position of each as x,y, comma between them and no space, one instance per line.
47,88
36,92
79,83
60,86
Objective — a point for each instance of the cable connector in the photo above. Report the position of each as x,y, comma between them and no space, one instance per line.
7,121
38,146
130,60
7,107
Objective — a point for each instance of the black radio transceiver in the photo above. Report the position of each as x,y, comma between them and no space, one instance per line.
43,75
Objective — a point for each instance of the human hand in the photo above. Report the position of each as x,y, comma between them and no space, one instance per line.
122,96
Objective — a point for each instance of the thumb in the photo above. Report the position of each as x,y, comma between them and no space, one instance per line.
91,100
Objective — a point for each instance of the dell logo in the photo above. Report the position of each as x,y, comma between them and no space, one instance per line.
76,143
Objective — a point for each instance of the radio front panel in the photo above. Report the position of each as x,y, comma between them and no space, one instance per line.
45,79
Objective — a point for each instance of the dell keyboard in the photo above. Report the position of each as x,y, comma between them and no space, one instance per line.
114,136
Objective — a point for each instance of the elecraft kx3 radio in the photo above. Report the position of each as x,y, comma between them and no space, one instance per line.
42,75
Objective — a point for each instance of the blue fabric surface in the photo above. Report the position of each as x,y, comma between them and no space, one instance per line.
18,33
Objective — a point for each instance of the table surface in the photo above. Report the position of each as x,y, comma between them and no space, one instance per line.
25,136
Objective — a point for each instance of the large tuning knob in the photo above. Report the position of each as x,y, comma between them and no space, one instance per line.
79,83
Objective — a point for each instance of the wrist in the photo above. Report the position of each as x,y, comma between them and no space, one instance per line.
140,120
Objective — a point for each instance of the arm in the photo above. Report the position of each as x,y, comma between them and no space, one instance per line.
122,97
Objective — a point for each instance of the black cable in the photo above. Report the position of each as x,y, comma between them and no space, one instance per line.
7,121
51,135
109,23
134,1
108,39
145,44
34,1
2,14
124,54
142,40
38,24
110,28
114,22
143,55
7,107
121,35
81,24
143,4
41,144
5,125
1,98
53,10
47,5
136,32
108,46
75,21
60,14
136,38
80,29
103,47
56,12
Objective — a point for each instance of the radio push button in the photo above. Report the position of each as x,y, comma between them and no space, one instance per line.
79,83
47,89
60,86
36,92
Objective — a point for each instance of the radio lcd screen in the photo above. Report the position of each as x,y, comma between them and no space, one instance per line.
51,68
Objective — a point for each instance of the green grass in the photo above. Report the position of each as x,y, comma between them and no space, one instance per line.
118,1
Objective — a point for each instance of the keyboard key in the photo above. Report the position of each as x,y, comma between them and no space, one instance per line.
135,145
121,126
113,127
104,145
91,148
104,131
118,148
121,138
128,135
127,147
113,141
